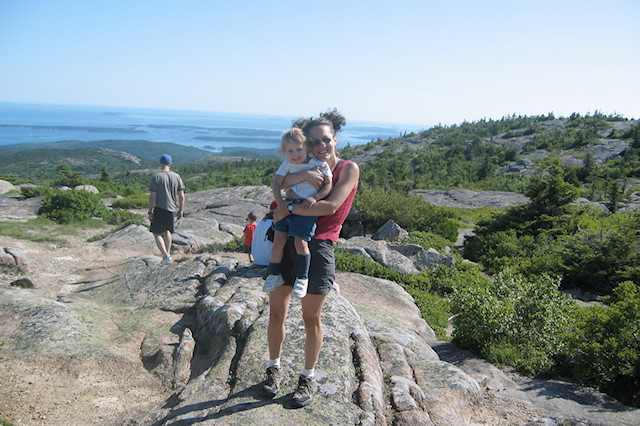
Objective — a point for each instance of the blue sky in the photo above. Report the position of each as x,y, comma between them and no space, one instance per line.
416,62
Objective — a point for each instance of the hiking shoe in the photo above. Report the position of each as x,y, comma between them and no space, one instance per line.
300,287
271,385
272,282
304,392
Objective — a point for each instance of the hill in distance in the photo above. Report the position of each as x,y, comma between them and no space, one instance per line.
28,159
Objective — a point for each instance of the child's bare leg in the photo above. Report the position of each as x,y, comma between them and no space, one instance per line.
274,279
277,251
302,246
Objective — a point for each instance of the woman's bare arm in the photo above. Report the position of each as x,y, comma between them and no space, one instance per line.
348,180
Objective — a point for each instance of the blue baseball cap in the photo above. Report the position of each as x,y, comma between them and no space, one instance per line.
166,159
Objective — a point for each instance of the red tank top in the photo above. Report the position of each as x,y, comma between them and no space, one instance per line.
328,227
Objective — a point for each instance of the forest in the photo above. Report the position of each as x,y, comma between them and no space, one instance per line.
509,295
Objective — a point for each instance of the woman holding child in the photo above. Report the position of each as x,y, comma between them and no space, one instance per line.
321,141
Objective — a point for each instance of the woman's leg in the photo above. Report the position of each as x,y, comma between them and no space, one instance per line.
279,306
311,310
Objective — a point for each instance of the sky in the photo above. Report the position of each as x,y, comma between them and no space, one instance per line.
416,62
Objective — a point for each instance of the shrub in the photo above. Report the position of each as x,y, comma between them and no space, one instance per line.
71,206
36,191
606,345
514,321
411,213
136,201
122,217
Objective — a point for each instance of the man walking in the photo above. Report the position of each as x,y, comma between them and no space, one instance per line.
166,204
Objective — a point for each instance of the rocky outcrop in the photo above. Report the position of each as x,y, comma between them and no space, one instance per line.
197,329
404,258
374,368
13,209
202,327
6,187
468,199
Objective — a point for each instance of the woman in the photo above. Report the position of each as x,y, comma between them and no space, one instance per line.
332,211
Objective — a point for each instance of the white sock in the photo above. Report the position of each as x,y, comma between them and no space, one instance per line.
274,363
308,373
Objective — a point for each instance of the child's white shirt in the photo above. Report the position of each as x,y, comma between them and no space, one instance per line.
303,189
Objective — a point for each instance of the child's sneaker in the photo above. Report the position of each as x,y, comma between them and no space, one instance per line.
300,287
272,282
167,259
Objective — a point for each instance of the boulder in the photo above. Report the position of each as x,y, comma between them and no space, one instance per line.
18,256
423,259
390,231
402,258
379,252
352,225
6,186
23,283
14,209
88,188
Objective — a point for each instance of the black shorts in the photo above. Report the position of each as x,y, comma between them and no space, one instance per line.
162,221
322,270
247,249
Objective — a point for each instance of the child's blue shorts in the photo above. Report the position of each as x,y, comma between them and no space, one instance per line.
303,227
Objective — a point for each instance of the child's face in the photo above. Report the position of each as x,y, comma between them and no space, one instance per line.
296,153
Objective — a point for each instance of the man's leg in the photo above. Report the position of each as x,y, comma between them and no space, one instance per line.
167,241
160,242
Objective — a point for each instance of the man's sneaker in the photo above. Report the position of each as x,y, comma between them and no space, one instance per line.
272,282
300,287
271,385
304,392
167,259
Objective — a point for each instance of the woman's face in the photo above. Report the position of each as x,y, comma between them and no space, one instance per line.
323,142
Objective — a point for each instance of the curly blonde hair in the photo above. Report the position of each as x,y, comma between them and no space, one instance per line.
293,135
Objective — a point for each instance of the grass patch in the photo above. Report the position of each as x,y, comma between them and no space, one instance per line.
235,245
38,230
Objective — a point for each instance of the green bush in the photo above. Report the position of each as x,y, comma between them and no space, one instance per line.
606,345
36,191
122,217
514,321
136,201
411,213
72,206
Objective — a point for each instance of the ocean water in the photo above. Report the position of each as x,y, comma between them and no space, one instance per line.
33,123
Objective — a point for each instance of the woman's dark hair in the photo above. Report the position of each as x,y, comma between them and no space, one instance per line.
331,118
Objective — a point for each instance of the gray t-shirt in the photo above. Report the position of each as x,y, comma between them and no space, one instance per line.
166,185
